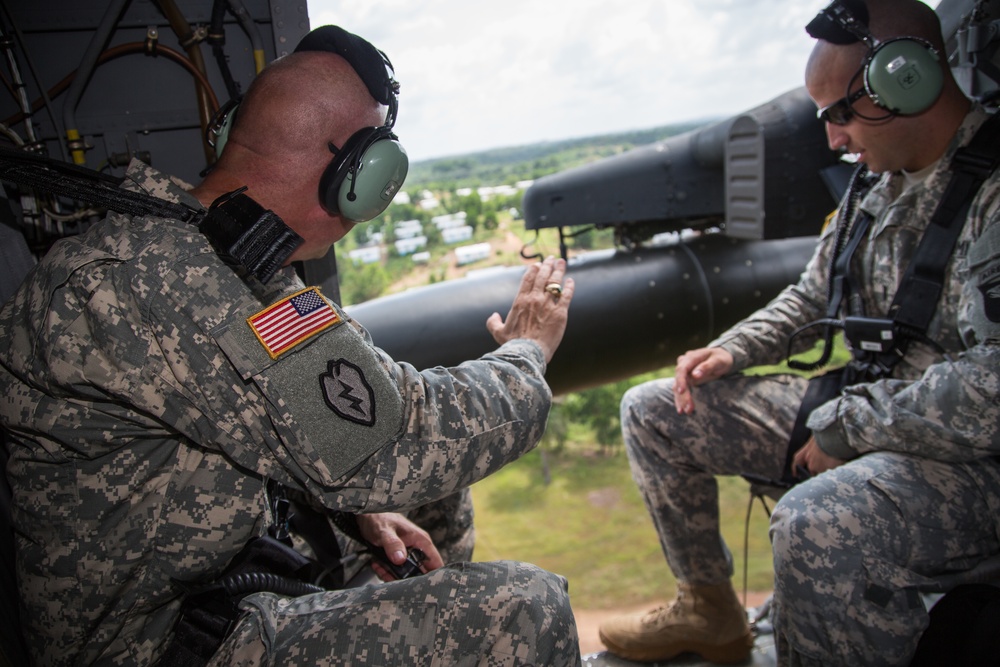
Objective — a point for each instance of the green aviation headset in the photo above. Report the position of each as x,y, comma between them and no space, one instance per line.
901,75
367,172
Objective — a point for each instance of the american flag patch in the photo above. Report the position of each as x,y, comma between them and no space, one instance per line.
294,319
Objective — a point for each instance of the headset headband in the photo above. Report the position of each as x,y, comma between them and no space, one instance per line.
371,64
842,22
902,75
368,170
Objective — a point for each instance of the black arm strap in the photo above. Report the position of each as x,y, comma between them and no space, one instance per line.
242,232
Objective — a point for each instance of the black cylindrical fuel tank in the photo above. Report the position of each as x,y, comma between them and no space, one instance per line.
633,312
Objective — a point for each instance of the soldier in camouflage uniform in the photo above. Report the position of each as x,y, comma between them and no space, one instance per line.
146,414
905,485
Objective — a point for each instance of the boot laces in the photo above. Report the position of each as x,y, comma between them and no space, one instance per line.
655,617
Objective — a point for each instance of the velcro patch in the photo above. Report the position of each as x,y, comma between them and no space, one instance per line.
293,320
333,401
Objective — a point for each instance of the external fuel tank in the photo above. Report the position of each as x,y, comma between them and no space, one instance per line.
633,312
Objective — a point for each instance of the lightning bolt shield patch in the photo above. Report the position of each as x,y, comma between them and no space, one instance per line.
346,391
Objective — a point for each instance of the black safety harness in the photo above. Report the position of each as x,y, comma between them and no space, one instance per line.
879,343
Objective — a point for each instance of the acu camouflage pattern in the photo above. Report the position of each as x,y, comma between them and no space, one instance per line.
139,454
505,614
920,495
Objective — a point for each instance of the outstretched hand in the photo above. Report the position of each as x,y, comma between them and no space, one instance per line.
540,309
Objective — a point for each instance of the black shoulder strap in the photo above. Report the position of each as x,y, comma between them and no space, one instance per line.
241,231
916,299
87,185
840,275
850,230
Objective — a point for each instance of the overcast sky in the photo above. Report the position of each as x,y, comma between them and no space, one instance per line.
480,74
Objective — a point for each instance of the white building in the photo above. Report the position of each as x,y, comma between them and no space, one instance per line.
467,254
449,220
456,234
408,232
409,246
407,229
429,204
367,255
487,192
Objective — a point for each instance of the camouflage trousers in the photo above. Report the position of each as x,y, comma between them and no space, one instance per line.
465,614
851,546
740,424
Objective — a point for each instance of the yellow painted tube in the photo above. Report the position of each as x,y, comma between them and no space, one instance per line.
73,138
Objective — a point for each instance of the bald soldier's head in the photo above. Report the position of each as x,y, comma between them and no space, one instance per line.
296,109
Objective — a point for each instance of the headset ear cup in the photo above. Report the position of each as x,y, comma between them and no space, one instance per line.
364,195
382,167
336,172
904,76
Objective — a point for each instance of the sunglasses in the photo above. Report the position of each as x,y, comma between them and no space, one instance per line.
840,112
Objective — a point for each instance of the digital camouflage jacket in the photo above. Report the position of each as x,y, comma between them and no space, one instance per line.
148,395
933,406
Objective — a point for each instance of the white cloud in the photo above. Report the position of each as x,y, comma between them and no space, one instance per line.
488,74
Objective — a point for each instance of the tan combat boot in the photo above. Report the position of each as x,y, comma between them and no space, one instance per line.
707,620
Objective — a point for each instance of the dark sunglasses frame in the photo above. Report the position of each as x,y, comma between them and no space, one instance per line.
840,112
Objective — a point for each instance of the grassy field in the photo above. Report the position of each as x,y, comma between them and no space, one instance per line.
590,525
577,512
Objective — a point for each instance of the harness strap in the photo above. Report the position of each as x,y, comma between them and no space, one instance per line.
848,238
915,302
841,267
916,299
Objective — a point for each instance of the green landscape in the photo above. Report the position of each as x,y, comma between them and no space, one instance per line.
577,512
453,185
569,506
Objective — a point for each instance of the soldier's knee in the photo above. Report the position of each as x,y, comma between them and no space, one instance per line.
787,527
631,399
641,400
537,614
811,530
542,593
796,523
